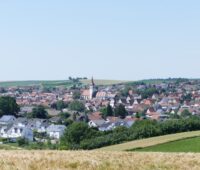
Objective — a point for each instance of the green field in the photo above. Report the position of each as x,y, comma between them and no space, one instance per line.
56,83
103,82
143,143
184,145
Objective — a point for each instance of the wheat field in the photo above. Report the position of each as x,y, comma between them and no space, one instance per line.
96,160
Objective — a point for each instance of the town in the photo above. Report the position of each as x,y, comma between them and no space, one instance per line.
45,114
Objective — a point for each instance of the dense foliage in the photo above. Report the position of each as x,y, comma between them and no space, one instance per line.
38,112
77,106
80,136
59,105
8,106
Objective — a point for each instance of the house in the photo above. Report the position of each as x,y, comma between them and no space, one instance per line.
39,125
101,95
17,131
56,131
106,126
95,119
7,119
4,129
114,124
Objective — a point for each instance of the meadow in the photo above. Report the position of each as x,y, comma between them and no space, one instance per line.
44,83
56,83
96,160
184,145
142,143
103,82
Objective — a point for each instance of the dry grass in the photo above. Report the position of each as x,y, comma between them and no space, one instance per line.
150,141
96,160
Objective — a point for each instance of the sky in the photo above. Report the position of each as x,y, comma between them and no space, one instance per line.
107,39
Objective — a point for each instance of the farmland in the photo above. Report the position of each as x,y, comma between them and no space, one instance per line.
103,82
56,83
150,141
184,145
90,160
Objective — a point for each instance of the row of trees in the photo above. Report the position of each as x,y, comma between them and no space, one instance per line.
80,136
118,111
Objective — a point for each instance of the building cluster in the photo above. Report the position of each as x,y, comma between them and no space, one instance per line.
159,100
13,128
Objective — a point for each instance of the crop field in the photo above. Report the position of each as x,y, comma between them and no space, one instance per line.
96,160
184,145
150,141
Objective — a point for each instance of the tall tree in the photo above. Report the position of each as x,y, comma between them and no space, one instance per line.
120,111
76,95
8,106
77,106
38,112
109,110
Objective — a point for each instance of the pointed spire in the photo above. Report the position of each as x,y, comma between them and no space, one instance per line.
92,81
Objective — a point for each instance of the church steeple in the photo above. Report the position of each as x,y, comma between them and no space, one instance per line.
92,88
92,81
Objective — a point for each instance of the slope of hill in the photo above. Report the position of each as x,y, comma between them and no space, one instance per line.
184,145
44,83
90,160
103,82
150,141
56,83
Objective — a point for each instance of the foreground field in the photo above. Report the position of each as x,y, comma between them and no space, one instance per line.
94,160
184,145
150,141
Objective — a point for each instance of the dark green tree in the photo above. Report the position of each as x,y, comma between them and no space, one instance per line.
38,112
75,133
8,106
120,111
76,95
77,106
109,110
186,113
137,115
60,105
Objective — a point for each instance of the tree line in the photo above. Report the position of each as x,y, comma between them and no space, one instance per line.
79,136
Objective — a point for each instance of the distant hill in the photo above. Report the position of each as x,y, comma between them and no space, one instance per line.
44,83
103,82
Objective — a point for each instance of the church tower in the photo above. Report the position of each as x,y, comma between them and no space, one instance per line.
92,88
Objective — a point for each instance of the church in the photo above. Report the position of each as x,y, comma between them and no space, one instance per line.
90,93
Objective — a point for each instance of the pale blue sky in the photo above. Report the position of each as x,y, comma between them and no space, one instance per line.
109,39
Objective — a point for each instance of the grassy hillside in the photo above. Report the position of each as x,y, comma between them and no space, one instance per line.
184,145
86,160
150,141
103,82
56,83
35,83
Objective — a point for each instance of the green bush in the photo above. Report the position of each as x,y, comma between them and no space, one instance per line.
80,136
